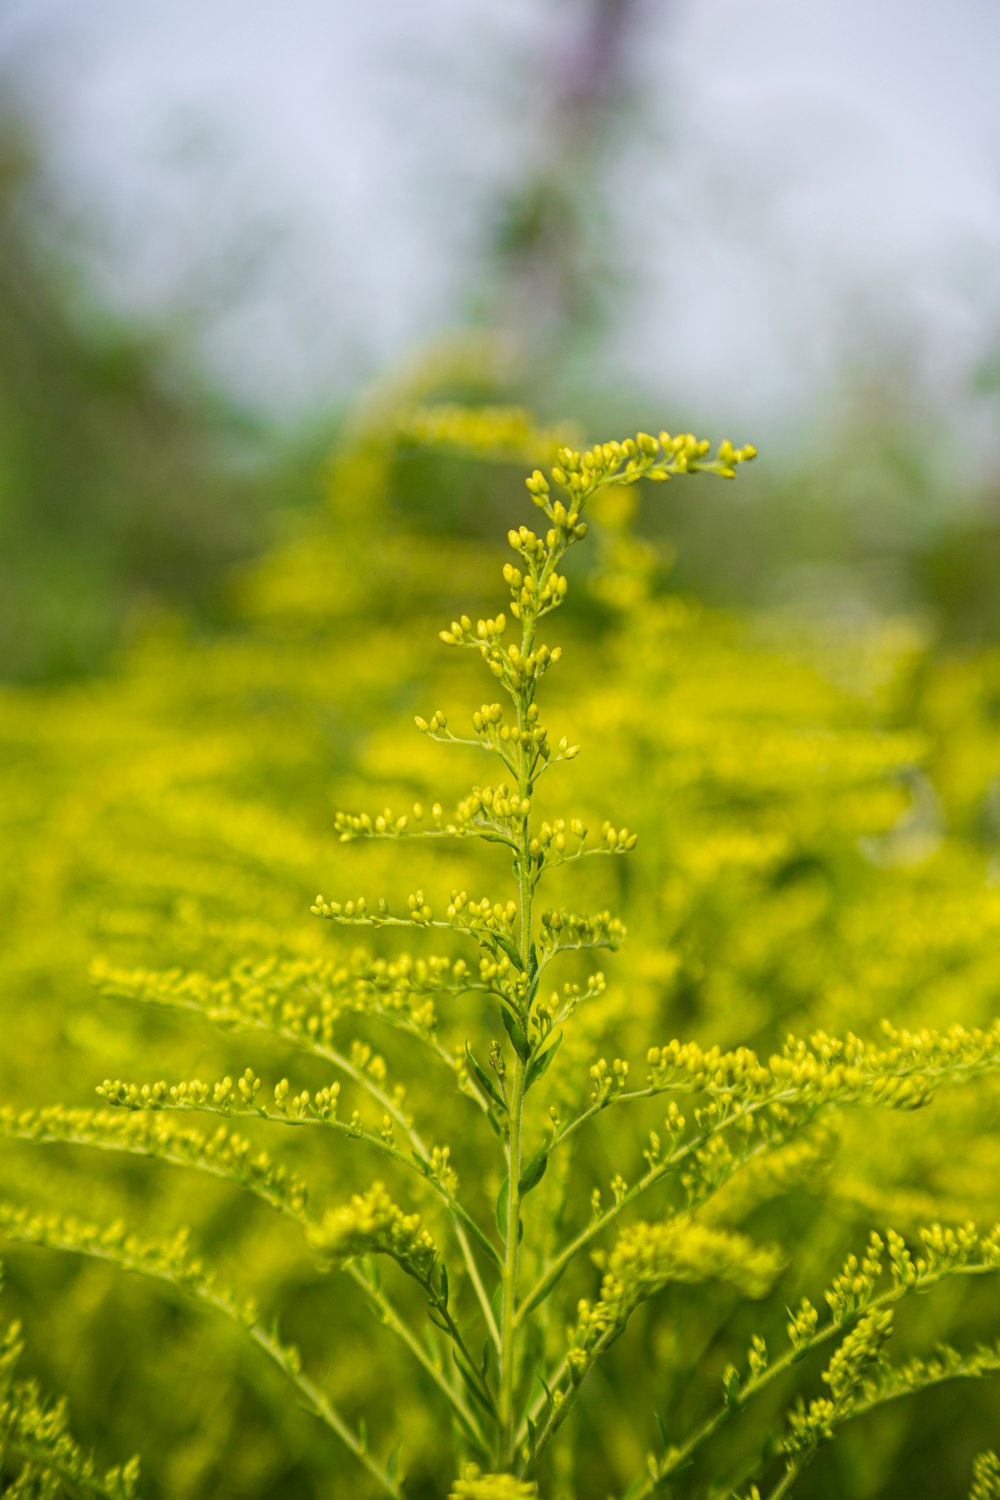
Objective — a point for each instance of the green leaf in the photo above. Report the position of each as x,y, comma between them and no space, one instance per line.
476,1390
502,1200
539,1064
484,1080
392,1463
514,1028
770,1446
534,1170
507,944
541,1297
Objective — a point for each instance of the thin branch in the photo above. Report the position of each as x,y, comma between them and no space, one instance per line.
308,1044
202,1291
340,1127
655,1174
213,1167
679,1457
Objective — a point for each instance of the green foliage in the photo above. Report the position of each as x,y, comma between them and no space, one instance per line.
458,1136
119,483
39,1459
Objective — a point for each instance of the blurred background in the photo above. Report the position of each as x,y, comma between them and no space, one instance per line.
781,222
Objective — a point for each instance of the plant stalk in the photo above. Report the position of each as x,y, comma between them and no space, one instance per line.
508,1329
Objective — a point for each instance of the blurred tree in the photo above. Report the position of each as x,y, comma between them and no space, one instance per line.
116,485
548,234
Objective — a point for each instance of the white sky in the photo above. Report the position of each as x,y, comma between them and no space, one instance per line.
304,187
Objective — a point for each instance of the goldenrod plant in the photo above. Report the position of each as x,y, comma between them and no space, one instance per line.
39,1458
469,1092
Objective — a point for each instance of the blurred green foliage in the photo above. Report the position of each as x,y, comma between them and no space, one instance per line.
121,484
820,846
127,484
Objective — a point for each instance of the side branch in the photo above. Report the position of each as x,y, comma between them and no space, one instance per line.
195,1097
171,1265
949,1253
231,1159
301,1037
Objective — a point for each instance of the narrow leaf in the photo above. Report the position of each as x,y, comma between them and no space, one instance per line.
541,1297
731,1385
508,946
539,1064
475,1389
515,1030
534,1170
502,1200
484,1080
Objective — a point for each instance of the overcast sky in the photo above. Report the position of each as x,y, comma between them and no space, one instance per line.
306,189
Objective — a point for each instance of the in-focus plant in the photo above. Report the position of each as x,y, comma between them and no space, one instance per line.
510,1320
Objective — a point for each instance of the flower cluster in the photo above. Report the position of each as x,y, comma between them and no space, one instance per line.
648,1257
475,1485
372,1224
38,1453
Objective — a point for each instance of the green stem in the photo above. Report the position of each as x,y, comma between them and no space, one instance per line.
508,1331
655,1174
678,1458
314,1399
784,1484
390,1107
558,1414
534,1410
508,1325
478,1387
387,1314
257,1112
